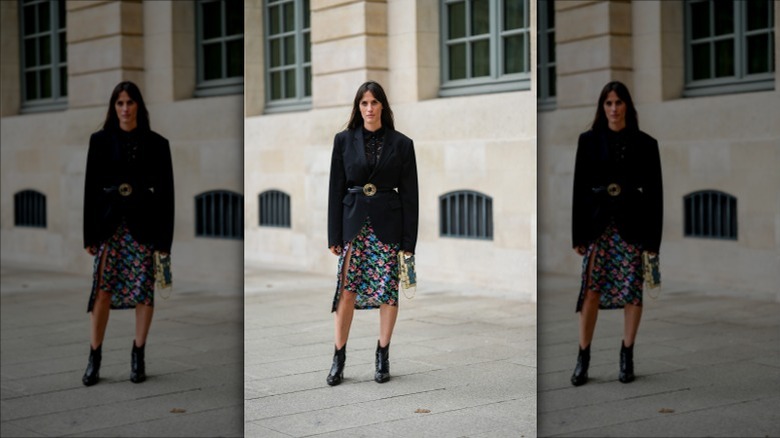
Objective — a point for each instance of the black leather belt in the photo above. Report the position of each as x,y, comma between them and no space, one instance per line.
124,189
613,189
368,189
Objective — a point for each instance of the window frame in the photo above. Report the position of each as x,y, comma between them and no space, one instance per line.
495,82
713,220
280,200
300,101
740,81
58,101
545,100
237,233
224,85
30,209
446,226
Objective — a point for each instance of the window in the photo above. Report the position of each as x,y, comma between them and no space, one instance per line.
546,43
729,46
485,46
219,213
710,213
220,47
288,55
30,209
43,55
466,214
274,209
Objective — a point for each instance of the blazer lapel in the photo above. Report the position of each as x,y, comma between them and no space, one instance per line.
359,149
388,149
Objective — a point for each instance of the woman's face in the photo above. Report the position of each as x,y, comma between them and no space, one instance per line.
615,109
371,110
127,111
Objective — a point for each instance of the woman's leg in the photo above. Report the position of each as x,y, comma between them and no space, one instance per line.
632,314
100,309
143,320
387,317
346,307
588,316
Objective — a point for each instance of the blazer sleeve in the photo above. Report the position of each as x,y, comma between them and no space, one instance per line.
165,198
581,195
408,191
336,190
91,194
655,199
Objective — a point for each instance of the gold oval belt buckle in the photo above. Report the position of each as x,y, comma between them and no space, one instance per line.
613,189
125,189
369,189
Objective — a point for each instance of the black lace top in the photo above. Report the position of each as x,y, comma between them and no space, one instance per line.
128,143
617,143
373,141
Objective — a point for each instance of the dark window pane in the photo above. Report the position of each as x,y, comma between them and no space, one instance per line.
63,81
30,52
289,50
307,47
513,14
274,16
514,54
306,14
276,85
45,83
235,17
289,17
63,48
758,54
307,81
480,17
235,58
30,85
212,20
457,66
724,17
700,19
212,61
480,56
758,12
551,47
551,81
550,14
44,17
457,20
724,58
701,61
289,83
44,47
62,14
276,52
29,19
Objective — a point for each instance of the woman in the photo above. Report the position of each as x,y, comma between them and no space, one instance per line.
128,215
617,214
372,215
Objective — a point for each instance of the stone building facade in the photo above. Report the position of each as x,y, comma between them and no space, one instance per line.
60,62
460,80
703,78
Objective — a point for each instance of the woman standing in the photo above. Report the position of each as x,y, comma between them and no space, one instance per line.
372,215
617,214
128,216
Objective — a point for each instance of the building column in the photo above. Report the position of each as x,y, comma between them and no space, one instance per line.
593,46
105,47
349,47
10,82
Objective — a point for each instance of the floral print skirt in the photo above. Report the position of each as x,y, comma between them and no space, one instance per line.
616,272
128,271
372,272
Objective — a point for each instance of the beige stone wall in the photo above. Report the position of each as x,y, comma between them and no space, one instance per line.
482,142
151,43
718,142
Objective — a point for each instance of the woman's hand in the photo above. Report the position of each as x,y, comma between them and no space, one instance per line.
92,250
408,254
336,250
580,250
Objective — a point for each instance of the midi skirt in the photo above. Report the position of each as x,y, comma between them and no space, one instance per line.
615,273
127,272
372,270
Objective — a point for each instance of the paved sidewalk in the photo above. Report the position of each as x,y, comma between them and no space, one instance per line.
706,365
194,359
470,361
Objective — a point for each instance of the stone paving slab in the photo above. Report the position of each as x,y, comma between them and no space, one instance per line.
469,360
194,359
712,360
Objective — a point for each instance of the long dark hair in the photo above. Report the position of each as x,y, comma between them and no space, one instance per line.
600,122
142,116
356,120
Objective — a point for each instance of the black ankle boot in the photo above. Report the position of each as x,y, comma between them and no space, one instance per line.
137,364
580,376
336,374
626,363
382,374
92,374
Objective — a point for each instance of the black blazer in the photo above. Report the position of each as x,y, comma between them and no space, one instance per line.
637,210
148,210
393,214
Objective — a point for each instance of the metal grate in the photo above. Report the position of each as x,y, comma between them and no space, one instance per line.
219,213
274,209
30,209
466,214
710,214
